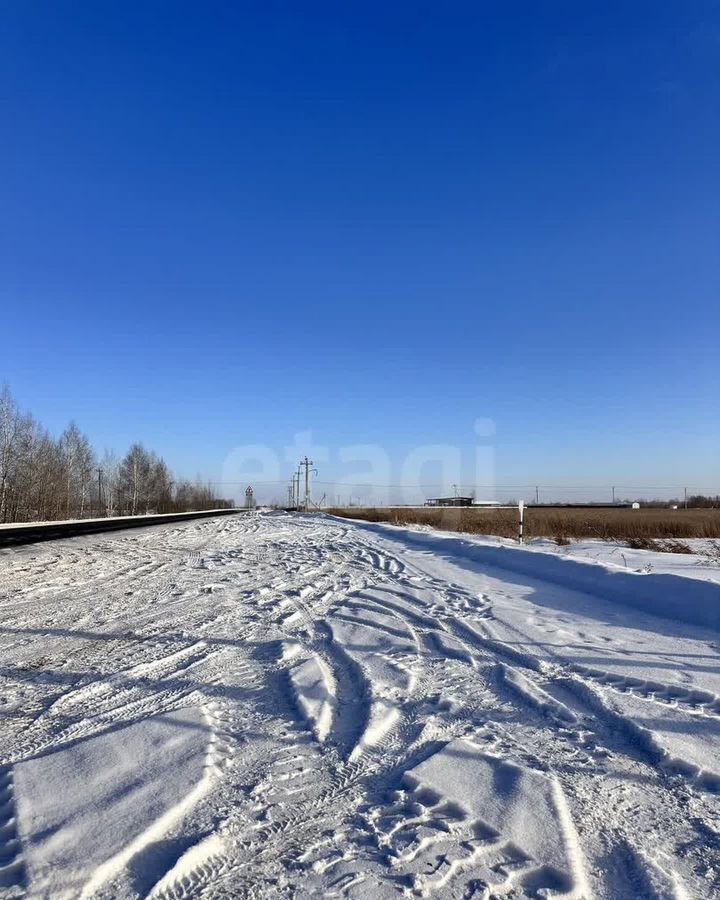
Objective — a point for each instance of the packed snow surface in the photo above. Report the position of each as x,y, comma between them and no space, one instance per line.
299,706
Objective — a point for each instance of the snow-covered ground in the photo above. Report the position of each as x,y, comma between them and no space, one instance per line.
300,706
704,563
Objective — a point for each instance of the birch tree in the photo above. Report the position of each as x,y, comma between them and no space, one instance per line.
43,477
8,447
134,477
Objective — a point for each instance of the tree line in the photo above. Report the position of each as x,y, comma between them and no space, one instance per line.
46,478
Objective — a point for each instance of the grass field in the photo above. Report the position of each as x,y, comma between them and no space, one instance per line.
636,526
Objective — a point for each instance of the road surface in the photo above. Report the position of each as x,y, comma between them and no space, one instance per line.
297,706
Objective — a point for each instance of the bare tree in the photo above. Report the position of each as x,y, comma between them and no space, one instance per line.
160,486
46,478
110,477
79,462
9,417
134,475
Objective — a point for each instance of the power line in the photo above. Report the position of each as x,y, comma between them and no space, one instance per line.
473,485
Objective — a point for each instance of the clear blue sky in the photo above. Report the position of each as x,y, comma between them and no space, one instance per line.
223,223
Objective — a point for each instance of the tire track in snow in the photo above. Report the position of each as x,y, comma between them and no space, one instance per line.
143,690
287,788
12,867
352,705
694,701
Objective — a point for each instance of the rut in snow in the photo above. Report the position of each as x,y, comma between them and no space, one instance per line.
320,707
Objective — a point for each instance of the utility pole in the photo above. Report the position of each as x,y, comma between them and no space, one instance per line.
613,490
685,489
307,463
537,495
100,472
455,491
291,491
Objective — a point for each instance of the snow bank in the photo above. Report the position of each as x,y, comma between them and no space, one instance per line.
676,597
698,564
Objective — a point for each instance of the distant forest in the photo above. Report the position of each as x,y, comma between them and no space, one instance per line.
47,478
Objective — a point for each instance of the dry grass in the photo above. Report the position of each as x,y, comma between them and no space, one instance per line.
668,545
639,525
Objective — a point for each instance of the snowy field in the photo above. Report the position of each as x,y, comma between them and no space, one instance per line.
290,706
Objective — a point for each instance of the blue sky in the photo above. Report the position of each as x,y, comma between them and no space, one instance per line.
226,223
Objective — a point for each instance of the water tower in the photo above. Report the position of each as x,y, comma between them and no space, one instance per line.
249,500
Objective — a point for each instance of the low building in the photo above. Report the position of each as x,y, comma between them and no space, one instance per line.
449,501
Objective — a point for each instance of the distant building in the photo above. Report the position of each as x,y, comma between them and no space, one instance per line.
249,499
449,501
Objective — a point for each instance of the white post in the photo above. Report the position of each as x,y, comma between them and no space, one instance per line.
521,510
